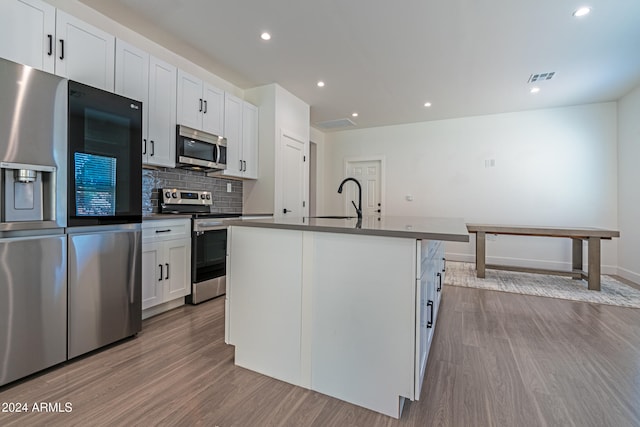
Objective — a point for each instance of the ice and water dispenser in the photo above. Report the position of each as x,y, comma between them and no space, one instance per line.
27,192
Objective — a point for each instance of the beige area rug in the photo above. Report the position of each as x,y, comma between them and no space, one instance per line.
612,291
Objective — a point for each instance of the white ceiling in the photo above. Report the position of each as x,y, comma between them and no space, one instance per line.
384,59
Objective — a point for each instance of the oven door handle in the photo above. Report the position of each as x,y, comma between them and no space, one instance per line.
194,254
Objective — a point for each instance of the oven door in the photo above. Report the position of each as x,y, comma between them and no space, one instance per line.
209,263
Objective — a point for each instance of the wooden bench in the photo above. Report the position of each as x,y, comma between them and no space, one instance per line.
577,235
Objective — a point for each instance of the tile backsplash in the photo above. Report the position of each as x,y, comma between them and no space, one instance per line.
154,180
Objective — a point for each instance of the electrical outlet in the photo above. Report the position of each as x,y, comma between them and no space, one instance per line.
228,187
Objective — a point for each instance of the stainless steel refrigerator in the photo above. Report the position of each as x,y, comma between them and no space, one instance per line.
104,215
33,246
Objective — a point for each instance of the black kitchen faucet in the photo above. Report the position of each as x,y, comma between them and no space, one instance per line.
359,207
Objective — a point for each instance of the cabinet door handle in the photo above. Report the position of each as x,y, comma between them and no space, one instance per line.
167,275
144,146
163,231
444,264
430,322
50,37
439,282
153,148
61,49
200,105
205,106
240,165
285,210
160,279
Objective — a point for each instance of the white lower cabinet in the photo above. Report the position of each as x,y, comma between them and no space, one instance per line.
166,263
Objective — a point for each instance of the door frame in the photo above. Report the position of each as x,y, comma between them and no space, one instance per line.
374,158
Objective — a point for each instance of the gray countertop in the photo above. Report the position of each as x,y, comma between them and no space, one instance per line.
427,228
156,216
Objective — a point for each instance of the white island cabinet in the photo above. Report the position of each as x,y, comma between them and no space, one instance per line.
345,311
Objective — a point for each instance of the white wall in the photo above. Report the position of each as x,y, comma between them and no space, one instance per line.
628,182
279,111
554,167
318,138
258,196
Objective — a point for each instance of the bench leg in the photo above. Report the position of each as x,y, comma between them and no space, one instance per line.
480,254
577,259
594,264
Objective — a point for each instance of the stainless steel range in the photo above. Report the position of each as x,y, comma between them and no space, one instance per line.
208,241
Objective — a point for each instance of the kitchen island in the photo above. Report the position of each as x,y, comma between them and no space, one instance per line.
340,306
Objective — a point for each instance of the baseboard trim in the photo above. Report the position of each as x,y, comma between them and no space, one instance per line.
629,275
155,310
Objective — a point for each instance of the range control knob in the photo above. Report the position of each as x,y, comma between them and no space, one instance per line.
167,194
174,195
202,196
208,196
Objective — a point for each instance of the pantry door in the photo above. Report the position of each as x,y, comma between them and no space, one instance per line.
294,174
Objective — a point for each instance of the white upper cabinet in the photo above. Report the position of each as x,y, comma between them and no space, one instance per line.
233,133
200,105
189,100
241,131
84,53
213,110
27,33
142,77
34,33
162,113
132,72
250,140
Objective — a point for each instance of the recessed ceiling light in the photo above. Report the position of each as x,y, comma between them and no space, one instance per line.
354,114
320,83
427,104
265,36
582,11
535,89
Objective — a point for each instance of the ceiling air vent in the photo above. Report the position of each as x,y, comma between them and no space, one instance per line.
541,77
335,124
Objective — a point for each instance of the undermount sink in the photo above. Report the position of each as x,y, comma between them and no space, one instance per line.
332,217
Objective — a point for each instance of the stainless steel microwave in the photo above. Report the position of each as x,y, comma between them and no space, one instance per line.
200,150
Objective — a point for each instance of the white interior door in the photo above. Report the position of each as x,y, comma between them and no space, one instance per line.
369,175
293,177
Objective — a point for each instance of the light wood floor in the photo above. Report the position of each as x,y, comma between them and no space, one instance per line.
498,359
